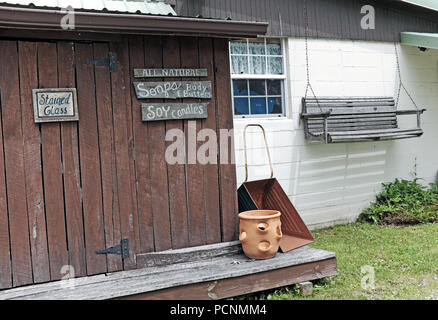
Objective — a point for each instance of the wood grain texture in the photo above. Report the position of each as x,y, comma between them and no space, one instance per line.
134,221
176,172
90,161
167,257
334,119
126,71
110,198
33,163
232,287
14,165
142,159
157,162
211,181
123,148
5,252
71,167
195,172
311,263
52,168
79,187
227,170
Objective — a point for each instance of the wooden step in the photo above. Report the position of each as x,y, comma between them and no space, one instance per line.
211,278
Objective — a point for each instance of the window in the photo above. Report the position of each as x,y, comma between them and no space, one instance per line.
257,73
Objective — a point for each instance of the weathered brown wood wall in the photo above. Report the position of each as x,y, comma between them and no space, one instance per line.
68,189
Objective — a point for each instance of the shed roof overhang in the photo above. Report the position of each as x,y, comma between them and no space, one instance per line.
125,23
422,40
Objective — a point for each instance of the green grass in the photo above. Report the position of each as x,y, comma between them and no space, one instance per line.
405,262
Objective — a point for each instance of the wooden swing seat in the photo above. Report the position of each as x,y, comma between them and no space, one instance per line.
352,119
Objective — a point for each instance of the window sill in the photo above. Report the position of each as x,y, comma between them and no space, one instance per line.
261,117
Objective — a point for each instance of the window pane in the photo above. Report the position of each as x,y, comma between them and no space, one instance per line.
257,87
274,105
239,47
239,64
258,65
258,105
275,65
241,106
240,87
257,47
274,87
273,46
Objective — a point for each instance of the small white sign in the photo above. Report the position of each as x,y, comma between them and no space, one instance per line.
57,104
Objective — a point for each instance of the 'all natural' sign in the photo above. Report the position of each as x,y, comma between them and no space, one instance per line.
57,104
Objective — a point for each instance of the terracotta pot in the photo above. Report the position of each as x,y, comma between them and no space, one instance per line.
260,233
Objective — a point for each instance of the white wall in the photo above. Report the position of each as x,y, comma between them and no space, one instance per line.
333,183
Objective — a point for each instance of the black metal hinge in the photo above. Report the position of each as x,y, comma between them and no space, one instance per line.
122,248
110,62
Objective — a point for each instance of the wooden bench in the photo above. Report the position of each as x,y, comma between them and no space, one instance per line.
334,119
214,271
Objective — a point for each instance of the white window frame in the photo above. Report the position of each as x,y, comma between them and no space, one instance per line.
283,77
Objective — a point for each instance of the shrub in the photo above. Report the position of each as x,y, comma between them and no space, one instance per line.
403,202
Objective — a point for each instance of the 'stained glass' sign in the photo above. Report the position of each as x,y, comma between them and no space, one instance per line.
58,104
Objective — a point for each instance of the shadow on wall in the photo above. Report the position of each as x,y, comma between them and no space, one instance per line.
335,182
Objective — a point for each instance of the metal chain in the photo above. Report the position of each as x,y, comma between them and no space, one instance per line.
307,56
401,85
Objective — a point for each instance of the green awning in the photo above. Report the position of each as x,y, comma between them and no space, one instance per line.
417,39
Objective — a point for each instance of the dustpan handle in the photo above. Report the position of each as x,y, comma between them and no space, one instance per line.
244,149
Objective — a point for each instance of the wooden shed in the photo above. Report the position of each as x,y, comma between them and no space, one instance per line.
88,198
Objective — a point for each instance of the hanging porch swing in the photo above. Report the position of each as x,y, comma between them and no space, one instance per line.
355,119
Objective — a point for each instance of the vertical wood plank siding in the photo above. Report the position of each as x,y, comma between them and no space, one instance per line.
333,19
69,189
176,172
14,165
211,178
32,163
142,161
71,167
158,168
195,172
123,140
90,160
227,178
110,193
52,167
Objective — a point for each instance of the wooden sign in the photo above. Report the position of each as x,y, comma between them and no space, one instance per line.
173,89
161,73
58,104
173,111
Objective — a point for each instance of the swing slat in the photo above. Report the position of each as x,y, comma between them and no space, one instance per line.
340,119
